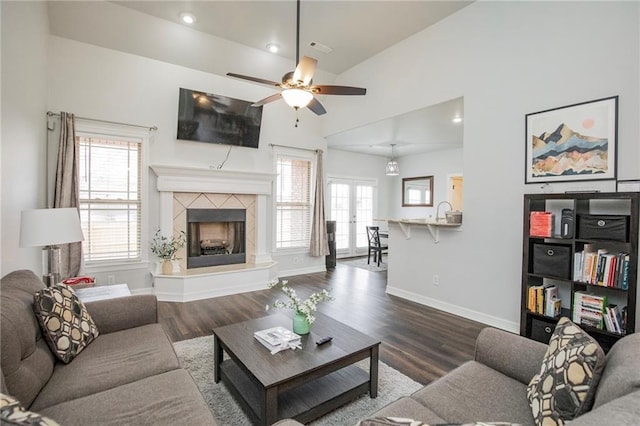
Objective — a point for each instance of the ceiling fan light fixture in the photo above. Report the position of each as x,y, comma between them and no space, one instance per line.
297,98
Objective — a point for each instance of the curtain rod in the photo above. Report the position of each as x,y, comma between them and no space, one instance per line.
294,147
54,114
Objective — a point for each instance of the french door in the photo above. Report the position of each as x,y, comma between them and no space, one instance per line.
352,204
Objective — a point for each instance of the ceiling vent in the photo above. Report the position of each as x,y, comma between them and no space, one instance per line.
320,47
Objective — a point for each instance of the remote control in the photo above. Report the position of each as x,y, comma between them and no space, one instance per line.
324,340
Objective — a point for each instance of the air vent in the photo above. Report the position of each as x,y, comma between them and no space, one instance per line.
320,47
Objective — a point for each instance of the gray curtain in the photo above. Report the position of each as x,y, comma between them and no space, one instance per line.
66,190
319,244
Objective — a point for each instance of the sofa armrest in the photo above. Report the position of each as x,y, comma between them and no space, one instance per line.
123,312
621,411
510,354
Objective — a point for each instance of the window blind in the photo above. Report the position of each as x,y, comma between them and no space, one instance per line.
110,198
293,202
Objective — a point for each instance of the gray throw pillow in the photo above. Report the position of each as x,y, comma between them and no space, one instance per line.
565,387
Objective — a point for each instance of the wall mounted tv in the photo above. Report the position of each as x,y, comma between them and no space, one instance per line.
203,117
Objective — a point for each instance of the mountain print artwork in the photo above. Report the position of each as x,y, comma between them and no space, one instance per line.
565,152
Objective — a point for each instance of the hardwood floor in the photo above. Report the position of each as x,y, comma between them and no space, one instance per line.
421,342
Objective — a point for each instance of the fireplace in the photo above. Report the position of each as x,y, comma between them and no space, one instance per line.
216,237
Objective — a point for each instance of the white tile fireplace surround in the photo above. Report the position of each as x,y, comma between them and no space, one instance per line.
187,187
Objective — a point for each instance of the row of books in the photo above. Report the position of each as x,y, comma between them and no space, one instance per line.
599,267
544,300
594,311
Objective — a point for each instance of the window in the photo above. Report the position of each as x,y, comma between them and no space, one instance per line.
293,201
110,188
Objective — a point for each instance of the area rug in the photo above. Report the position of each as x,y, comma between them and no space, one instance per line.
196,355
361,262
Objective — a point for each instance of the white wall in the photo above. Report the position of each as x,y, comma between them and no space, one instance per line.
507,59
24,43
100,83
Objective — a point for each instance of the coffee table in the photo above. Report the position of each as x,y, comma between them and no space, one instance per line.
302,384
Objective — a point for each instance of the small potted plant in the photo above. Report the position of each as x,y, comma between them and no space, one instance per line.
166,249
304,309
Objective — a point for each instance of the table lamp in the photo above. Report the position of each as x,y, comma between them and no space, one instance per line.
47,228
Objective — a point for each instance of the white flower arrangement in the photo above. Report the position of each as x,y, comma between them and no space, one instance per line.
303,307
167,247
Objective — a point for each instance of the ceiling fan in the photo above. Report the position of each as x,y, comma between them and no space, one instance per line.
296,87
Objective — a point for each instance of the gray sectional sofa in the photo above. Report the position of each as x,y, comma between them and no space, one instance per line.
493,387
129,375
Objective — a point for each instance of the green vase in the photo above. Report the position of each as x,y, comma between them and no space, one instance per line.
300,324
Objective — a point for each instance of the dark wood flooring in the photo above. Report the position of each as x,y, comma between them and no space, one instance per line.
421,342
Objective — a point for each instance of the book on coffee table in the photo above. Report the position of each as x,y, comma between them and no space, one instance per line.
277,338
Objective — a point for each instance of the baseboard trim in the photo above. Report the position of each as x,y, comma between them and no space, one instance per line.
456,310
302,271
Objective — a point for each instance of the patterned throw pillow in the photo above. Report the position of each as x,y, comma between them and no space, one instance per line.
12,413
569,375
66,324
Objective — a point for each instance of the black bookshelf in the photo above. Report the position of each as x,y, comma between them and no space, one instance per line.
582,205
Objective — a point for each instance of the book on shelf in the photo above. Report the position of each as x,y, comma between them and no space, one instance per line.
277,338
613,319
589,309
541,224
544,300
601,268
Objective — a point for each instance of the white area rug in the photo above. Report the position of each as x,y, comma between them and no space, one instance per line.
196,355
361,262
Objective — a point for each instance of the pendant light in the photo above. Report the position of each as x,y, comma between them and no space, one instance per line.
392,165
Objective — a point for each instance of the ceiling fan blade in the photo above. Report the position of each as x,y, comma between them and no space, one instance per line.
254,79
305,70
266,100
316,107
338,90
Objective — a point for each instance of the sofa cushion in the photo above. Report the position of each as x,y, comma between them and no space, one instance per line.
12,413
171,398
409,407
26,360
568,377
474,392
66,324
111,360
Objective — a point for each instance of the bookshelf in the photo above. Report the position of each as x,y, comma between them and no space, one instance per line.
567,228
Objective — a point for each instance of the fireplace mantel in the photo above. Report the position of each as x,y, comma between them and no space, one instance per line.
194,179
193,284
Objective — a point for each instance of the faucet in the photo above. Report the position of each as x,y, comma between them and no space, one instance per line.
444,218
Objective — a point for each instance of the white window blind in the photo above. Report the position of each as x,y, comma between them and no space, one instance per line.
110,197
293,202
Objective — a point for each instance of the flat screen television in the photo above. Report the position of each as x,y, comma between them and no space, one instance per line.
204,117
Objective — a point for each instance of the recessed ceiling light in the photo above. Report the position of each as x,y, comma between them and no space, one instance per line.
187,18
273,47
457,119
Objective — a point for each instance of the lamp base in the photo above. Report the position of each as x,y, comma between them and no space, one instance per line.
51,265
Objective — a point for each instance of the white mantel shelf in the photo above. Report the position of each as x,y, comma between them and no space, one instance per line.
432,225
197,179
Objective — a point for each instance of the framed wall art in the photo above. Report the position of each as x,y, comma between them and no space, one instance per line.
572,143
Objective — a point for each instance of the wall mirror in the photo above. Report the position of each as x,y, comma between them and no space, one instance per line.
417,191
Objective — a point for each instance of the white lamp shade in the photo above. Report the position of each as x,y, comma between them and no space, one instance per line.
392,168
46,227
297,98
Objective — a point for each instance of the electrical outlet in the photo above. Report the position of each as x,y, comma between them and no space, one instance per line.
436,279
111,279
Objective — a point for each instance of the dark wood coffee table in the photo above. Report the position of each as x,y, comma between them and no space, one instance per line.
302,384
